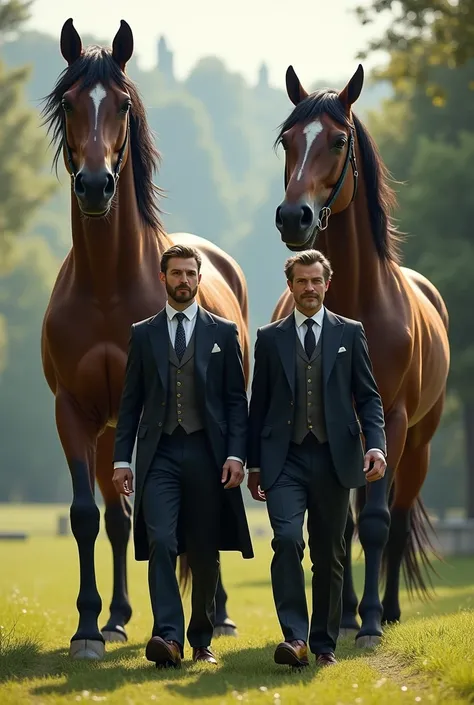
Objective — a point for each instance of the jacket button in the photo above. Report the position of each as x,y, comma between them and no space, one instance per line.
291,403
289,421
160,424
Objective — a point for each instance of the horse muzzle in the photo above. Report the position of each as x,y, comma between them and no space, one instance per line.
297,225
94,191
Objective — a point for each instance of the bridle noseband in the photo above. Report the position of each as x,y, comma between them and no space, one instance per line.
121,154
325,212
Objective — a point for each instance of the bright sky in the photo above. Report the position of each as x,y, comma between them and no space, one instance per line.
319,37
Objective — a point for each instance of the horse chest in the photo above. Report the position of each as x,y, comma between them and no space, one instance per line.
89,361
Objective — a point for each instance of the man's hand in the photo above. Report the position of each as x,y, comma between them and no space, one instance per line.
233,471
379,467
123,481
253,483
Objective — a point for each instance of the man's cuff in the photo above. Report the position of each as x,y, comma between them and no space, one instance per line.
121,464
253,470
377,449
233,457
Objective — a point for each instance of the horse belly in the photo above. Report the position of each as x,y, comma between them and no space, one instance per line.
97,383
434,374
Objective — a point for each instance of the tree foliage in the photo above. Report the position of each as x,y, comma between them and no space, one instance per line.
421,34
23,186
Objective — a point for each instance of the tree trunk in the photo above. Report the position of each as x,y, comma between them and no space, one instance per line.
469,436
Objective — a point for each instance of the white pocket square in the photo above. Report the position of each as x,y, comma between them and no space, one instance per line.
216,348
342,349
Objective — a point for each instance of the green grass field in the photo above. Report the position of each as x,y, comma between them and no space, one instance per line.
429,658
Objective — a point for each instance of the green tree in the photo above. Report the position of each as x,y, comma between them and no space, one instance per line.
198,188
23,186
422,33
32,467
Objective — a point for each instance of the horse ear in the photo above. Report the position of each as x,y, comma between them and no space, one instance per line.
71,44
296,92
122,46
353,89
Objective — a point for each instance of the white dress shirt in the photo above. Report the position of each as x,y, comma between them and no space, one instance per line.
189,322
301,328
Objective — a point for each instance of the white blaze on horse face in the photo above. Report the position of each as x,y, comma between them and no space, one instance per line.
97,94
311,131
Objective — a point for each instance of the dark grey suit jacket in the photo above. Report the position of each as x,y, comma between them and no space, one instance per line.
220,390
352,403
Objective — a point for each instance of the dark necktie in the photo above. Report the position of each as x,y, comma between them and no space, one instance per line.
180,340
309,339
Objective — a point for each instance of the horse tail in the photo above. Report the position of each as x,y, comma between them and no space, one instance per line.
417,557
184,574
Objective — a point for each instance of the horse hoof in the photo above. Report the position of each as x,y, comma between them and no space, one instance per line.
346,631
87,649
368,642
115,635
225,630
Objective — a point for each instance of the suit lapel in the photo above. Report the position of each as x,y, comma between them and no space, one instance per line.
332,331
286,342
159,339
205,336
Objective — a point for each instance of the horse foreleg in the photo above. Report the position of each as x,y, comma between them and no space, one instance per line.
118,526
78,438
374,526
349,623
224,626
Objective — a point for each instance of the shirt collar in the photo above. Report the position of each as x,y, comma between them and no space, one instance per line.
190,312
318,317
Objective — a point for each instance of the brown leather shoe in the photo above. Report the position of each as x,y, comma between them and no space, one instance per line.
203,653
292,653
166,654
326,659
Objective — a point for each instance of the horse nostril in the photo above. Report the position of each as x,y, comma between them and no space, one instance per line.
278,218
109,186
79,186
306,217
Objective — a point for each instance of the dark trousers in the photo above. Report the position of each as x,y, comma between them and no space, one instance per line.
183,483
308,482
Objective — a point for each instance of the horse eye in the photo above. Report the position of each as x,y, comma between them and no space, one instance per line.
67,107
126,107
340,143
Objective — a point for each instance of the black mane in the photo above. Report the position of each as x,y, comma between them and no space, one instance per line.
96,65
380,196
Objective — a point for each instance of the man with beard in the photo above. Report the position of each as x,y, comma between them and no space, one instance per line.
185,394
305,453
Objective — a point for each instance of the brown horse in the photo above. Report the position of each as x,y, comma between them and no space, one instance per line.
109,280
338,199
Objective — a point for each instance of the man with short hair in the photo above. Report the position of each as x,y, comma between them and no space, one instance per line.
305,453
185,394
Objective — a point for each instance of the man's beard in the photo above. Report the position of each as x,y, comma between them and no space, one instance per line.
180,294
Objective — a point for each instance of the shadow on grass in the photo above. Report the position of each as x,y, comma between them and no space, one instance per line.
252,669
243,669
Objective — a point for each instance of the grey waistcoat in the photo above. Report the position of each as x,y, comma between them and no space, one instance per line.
309,407
182,408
